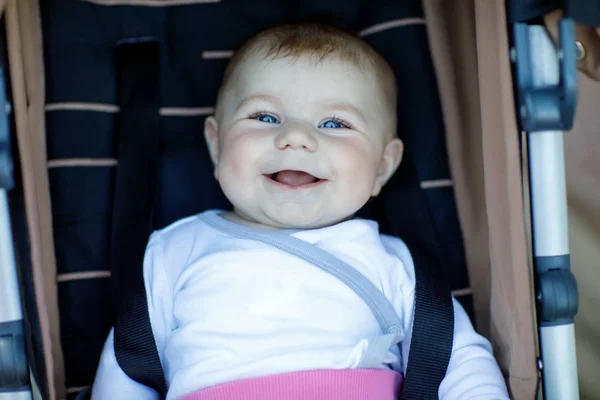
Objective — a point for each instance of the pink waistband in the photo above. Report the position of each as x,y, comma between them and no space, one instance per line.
346,384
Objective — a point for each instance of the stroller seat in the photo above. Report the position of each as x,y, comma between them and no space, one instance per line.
195,41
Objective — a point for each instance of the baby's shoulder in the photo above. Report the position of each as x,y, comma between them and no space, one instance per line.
386,254
394,244
396,248
184,235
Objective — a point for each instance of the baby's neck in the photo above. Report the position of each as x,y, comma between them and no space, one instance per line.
234,217
237,218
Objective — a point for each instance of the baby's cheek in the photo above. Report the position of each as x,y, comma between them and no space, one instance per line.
237,169
237,191
357,184
235,165
234,157
365,179
359,165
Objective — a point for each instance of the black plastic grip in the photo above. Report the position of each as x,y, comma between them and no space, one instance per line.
14,370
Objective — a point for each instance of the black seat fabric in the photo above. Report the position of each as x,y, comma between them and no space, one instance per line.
195,40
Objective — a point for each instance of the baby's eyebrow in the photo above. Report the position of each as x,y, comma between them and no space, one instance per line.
348,108
259,97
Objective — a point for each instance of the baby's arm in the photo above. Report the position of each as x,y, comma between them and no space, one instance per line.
473,373
111,382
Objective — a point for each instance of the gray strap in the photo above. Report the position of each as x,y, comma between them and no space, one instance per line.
377,351
380,306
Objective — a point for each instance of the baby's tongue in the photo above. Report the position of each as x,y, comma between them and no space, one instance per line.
294,178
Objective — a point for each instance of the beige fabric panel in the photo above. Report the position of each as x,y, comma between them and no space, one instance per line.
511,304
451,30
470,49
27,77
582,161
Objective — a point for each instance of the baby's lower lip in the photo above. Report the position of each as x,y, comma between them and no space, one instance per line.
294,187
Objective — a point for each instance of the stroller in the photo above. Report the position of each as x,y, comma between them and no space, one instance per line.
471,76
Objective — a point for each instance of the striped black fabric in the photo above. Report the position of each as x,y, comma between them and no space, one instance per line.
82,116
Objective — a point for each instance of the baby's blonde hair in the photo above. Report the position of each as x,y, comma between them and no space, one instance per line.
318,42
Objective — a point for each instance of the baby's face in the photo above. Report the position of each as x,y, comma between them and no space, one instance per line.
300,144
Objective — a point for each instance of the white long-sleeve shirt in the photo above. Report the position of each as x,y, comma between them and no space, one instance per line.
224,308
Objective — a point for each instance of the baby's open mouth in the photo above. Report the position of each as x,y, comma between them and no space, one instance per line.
294,178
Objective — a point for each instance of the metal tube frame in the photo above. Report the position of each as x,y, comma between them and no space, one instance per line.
546,83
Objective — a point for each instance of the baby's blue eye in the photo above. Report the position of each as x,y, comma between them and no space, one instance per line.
269,119
333,124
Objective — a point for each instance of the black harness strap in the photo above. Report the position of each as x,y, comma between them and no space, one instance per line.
433,324
138,137
432,337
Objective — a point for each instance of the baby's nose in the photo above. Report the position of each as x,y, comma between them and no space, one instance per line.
296,136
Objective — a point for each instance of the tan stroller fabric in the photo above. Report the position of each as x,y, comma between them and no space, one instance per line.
470,48
483,146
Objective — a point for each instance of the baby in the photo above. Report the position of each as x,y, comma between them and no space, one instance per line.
304,134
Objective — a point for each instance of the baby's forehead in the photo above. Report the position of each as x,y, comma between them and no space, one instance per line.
330,74
308,60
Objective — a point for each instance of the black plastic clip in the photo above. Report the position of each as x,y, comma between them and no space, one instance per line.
551,107
557,296
14,370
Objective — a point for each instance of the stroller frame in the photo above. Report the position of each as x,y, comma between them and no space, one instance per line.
546,86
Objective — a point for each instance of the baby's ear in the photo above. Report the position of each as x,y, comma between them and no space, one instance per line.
211,134
392,155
